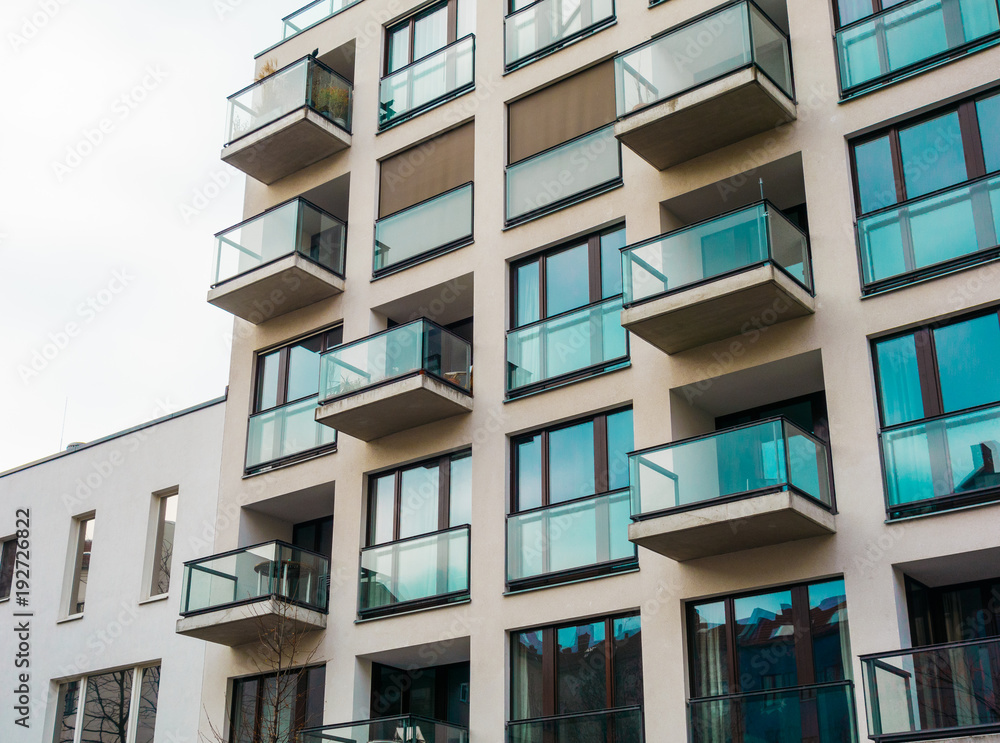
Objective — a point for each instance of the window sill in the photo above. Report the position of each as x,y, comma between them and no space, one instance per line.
70,618
154,599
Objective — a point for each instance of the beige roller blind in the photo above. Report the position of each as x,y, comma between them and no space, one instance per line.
569,108
427,170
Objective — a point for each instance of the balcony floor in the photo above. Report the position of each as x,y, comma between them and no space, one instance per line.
238,625
757,521
705,119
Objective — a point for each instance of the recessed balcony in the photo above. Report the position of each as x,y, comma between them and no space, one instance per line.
282,260
285,434
746,487
542,27
696,88
619,724
236,597
717,279
311,15
291,119
395,380
398,728
427,82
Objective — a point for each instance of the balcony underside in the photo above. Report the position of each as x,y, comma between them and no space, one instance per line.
705,119
394,407
718,309
757,521
285,285
286,146
238,625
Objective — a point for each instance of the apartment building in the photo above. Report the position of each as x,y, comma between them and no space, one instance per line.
612,372
92,546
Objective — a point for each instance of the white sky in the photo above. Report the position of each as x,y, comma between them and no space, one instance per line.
148,344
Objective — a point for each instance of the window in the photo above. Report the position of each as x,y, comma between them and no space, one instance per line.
8,556
81,564
282,427
926,201
580,669
163,544
273,707
114,708
938,388
754,646
953,613
315,536
427,31
434,693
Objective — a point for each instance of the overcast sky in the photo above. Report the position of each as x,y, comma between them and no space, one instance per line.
111,121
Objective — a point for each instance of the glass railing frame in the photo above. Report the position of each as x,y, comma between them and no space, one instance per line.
361,723
314,3
273,596
248,220
556,45
640,708
434,252
569,377
291,458
937,504
442,599
555,577
936,270
389,380
768,205
752,64
931,733
441,99
786,486
307,95
910,70
569,200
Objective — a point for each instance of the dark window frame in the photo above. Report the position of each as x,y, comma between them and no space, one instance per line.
990,595
8,553
301,691
411,21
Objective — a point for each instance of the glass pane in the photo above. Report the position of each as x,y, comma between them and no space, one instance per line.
106,707
528,294
267,101
303,368
618,725
770,50
829,630
385,509
527,683
899,380
581,680
549,22
439,222
148,692
968,356
709,648
765,641
399,47
163,553
244,710
419,501
932,154
988,112
66,710
286,431
627,656
620,443
422,83
267,381
611,263
567,280
461,490
876,182
852,10
571,462
415,569
85,546
430,32
529,473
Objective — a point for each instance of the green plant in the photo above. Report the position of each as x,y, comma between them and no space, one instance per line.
269,67
333,101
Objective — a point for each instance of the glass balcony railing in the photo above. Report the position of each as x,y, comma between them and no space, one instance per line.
910,36
823,713
400,728
304,83
293,227
285,432
754,459
571,536
545,25
619,724
563,174
590,338
264,571
937,691
929,235
437,224
311,14
428,81
697,53
419,347
954,457
717,247
430,567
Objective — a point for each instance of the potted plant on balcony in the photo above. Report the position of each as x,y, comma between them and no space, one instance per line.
333,102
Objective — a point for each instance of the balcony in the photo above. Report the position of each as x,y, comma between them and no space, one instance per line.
399,728
432,227
620,724
930,236
289,120
821,713
285,434
568,541
427,82
546,26
282,260
414,573
745,487
938,691
395,380
947,462
311,15
234,597
696,88
717,279
566,347
910,37
563,175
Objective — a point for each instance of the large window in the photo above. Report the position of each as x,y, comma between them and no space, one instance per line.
272,707
926,201
938,391
113,707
